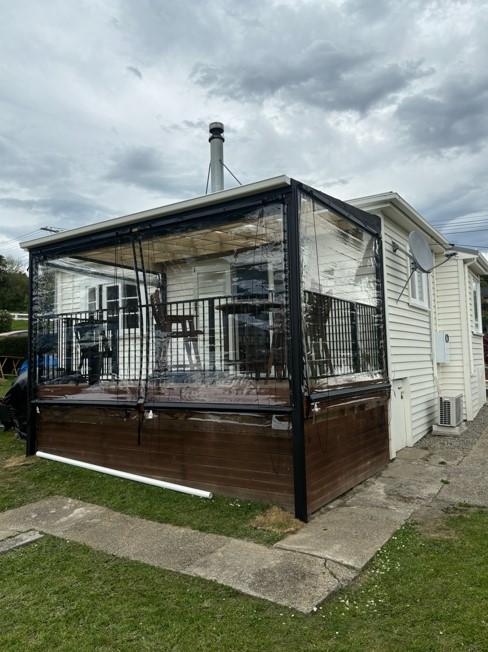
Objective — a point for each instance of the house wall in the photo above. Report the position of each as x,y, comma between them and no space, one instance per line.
410,349
464,373
450,300
477,365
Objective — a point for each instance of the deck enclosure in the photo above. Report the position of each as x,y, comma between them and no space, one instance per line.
234,343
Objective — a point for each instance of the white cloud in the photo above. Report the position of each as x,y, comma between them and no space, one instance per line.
104,106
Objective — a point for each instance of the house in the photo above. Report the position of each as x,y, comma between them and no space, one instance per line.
422,312
234,342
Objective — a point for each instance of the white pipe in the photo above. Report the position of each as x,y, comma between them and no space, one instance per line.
127,476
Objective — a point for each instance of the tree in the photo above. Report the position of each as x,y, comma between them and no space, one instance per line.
14,286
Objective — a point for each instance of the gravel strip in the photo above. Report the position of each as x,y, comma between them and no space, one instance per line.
464,442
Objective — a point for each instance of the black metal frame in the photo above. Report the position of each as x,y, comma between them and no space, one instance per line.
295,353
31,448
287,195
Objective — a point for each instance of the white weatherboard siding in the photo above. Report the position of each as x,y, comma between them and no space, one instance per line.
477,366
409,335
449,301
464,373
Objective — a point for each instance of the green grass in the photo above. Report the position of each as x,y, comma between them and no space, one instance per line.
419,594
20,324
39,478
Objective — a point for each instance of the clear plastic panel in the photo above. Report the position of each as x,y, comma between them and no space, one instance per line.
88,327
218,312
195,315
341,299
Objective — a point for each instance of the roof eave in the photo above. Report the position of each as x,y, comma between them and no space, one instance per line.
383,200
177,207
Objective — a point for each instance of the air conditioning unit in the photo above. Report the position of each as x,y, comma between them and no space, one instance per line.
451,410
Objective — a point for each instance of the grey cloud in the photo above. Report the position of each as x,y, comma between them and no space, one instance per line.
322,76
134,71
144,167
71,208
27,168
451,117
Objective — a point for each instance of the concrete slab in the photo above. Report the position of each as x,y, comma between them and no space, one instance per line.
378,494
412,454
5,534
290,579
18,540
159,544
349,535
446,457
417,481
55,513
468,483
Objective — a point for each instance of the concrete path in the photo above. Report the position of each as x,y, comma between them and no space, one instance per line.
301,570
351,530
287,578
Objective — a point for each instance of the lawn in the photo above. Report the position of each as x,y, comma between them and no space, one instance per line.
33,479
419,594
20,324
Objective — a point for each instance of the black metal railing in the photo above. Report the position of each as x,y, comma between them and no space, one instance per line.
341,337
206,340
211,338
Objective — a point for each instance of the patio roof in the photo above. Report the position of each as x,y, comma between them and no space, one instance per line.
204,201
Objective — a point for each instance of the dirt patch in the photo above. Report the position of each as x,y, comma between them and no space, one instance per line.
14,462
276,520
436,529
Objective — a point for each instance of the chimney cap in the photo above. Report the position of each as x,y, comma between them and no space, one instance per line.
216,130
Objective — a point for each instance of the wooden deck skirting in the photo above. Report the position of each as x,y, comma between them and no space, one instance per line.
249,456
243,455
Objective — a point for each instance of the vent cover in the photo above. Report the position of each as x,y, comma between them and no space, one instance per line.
450,410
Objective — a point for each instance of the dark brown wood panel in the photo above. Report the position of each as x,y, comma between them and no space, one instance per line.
346,442
242,455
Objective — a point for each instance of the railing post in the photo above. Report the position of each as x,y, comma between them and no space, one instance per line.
68,334
211,334
356,359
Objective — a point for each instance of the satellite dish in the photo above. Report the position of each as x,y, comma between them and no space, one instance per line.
420,251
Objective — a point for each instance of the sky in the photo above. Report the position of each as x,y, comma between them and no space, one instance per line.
104,106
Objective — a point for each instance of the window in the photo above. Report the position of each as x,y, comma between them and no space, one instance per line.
131,306
475,297
112,299
419,289
92,299
108,297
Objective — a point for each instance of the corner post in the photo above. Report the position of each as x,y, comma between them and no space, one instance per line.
31,443
295,352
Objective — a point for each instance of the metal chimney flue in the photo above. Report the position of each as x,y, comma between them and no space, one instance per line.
216,141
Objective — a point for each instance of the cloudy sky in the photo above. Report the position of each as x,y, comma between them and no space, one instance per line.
104,105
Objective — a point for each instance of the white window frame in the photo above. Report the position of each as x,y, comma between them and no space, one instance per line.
417,280
101,295
476,302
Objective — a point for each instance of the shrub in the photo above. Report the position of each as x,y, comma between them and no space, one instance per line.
5,321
